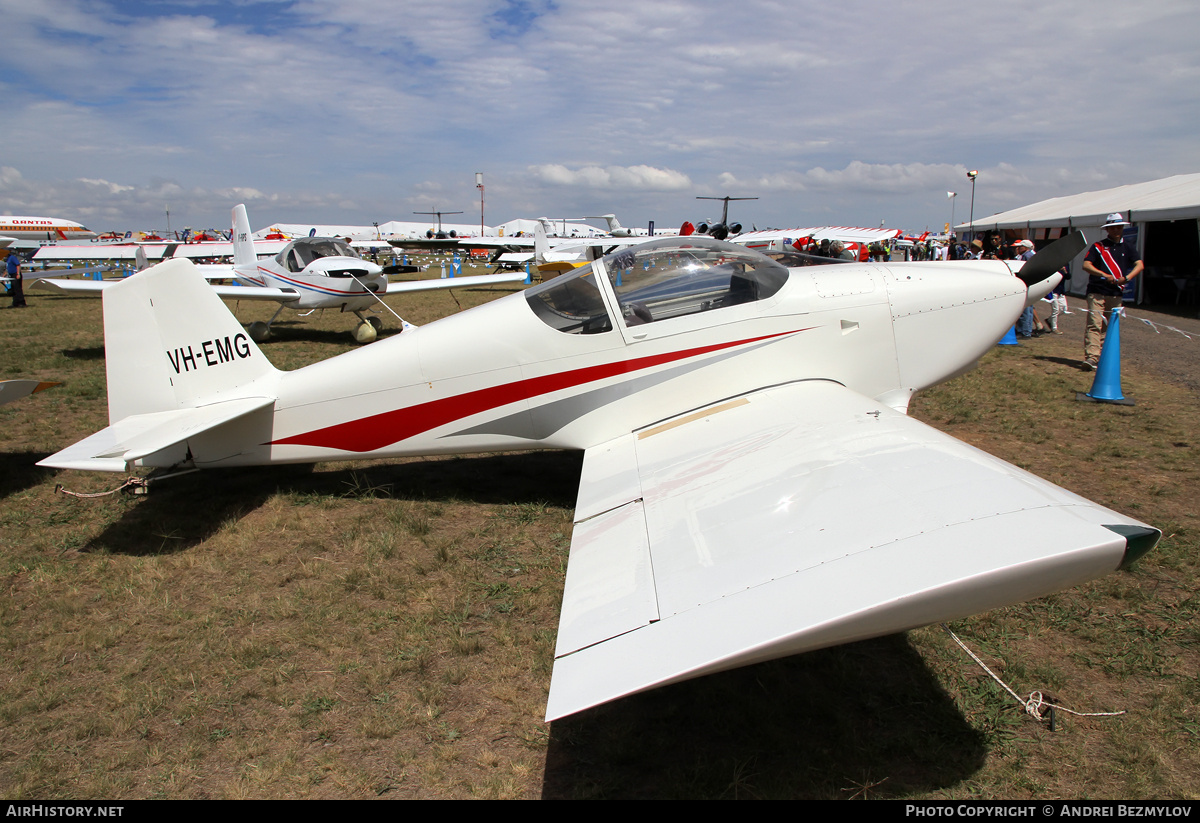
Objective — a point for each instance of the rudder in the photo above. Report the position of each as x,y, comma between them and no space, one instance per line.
245,260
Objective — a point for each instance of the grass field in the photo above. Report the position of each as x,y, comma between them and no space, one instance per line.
387,629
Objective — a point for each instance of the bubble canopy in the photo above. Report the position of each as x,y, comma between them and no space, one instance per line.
656,281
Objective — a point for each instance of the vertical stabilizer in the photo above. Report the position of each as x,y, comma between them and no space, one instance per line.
614,226
170,343
540,244
245,261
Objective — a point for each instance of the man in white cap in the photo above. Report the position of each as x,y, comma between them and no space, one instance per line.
1028,319
1110,264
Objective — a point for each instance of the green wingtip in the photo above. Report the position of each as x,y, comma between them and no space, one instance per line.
1138,541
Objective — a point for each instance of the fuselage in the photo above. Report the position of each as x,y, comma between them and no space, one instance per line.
324,272
623,344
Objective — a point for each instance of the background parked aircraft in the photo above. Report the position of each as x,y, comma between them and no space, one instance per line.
723,229
617,230
30,232
306,274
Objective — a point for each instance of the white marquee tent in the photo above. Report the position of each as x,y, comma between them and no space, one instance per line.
1172,198
1166,229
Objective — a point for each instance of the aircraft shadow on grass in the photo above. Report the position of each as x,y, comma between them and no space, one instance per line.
18,472
865,720
87,353
173,506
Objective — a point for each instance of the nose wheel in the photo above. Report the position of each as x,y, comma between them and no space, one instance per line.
367,330
260,331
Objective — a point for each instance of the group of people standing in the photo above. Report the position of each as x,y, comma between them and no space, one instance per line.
1110,265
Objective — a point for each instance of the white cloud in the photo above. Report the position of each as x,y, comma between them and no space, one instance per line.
364,105
106,186
638,178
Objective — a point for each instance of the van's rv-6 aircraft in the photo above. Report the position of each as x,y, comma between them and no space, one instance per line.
751,484
308,273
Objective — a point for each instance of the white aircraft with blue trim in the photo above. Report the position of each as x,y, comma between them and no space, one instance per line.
751,487
308,273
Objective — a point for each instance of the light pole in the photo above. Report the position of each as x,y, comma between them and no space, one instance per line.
971,175
479,185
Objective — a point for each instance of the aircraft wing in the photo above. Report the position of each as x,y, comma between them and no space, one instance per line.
228,292
795,518
95,251
459,243
455,282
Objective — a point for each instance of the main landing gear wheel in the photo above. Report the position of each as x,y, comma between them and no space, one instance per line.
365,332
259,331
376,323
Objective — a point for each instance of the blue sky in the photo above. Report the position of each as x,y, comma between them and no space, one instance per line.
353,111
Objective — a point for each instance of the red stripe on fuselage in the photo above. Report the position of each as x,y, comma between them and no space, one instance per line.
379,430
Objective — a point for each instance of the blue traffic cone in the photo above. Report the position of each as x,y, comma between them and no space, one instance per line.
1106,388
1009,338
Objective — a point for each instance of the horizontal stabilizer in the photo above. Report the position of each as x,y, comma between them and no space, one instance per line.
142,435
796,518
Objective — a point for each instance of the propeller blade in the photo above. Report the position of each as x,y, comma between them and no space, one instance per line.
1052,258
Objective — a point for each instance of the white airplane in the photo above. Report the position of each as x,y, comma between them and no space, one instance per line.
567,254
551,253
751,484
724,228
26,232
616,229
308,273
